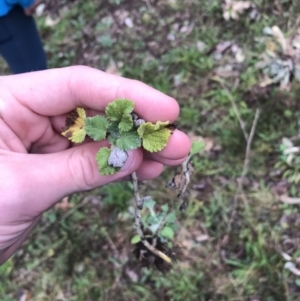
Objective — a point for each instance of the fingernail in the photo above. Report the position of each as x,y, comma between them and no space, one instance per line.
130,162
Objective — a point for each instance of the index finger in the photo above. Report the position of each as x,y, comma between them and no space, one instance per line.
58,91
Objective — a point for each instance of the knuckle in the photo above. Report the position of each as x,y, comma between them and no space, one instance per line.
83,169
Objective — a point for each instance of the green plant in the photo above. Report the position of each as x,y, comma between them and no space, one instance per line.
123,128
289,161
203,271
125,131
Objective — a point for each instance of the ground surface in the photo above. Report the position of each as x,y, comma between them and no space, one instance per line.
237,234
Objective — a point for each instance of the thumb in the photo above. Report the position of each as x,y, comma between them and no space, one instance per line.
50,177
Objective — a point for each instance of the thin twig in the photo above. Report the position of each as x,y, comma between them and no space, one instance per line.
67,214
236,111
138,222
113,247
75,208
148,4
138,217
288,200
163,222
249,142
245,169
185,172
138,199
157,252
296,137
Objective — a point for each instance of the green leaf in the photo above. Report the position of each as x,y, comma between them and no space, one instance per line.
129,140
119,110
102,161
165,207
171,218
167,232
96,127
116,109
197,146
170,245
6,267
154,136
152,220
74,129
114,133
135,239
150,204
126,123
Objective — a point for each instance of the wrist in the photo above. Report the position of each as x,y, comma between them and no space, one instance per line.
3,255
6,253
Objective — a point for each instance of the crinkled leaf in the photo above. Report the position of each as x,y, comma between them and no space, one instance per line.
112,139
102,161
135,239
114,133
126,123
117,157
129,140
154,136
167,232
74,129
116,109
197,146
96,127
119,110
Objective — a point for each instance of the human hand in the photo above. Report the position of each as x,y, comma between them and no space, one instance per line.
31,9
39,166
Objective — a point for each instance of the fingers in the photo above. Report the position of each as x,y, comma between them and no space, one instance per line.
56,144
34,182
178,147
37,182
58,91
148,170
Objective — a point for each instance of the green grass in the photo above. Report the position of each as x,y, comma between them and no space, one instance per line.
85,253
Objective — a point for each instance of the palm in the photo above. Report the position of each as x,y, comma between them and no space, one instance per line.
39,166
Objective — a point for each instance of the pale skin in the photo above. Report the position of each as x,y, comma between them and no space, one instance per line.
38,166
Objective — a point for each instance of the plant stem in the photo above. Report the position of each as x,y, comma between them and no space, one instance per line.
185,172
244,171
138,199
138,222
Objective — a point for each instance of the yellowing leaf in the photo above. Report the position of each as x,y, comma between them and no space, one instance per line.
74,128
154,136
